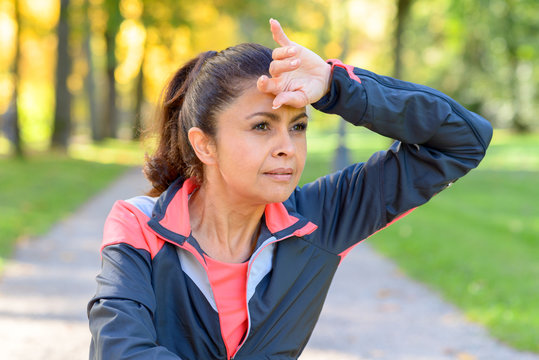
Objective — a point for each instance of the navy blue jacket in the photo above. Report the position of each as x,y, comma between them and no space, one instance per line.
154,299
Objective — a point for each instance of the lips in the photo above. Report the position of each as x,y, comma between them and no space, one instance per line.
280,171
280,174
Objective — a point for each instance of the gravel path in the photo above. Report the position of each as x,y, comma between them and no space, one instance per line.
372,312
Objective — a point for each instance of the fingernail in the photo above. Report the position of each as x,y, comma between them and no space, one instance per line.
276,107
294,62
291,51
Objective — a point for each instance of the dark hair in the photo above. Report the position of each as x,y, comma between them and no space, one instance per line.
193,97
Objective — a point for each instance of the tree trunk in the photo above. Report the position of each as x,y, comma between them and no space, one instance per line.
11,124
139,97
518,123
89,83
403,7
342,154
62,111
110,117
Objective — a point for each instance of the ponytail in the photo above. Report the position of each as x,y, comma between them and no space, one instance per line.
171,159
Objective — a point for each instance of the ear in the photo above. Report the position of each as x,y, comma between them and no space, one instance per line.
203,145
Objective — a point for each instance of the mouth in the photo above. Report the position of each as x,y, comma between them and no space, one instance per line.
281,174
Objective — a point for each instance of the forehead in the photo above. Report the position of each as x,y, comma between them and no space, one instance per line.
252,101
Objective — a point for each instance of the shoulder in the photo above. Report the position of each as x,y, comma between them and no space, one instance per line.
144,204
127,224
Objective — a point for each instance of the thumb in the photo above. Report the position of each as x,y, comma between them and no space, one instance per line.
278,34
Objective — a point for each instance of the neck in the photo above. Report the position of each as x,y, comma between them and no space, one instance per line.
225,228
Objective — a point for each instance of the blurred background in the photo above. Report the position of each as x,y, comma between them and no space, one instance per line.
76,71
80,79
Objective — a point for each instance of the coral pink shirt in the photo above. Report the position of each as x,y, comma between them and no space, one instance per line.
229,284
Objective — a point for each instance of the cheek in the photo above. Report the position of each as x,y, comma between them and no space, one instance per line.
238,155
301,153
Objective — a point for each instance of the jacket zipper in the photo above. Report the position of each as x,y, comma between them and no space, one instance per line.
251,261
247,283
211,288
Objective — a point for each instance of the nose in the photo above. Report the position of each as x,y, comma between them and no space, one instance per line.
284,144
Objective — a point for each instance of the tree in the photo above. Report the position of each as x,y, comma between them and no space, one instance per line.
110,117
11,125
89,82
342,154
139,99
403,8
162,17
517,121
62,112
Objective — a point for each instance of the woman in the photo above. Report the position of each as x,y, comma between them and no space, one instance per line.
228,258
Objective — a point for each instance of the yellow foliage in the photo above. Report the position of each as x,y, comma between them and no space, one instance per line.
211,31
216,35
37,100
38,57
40,13
6,89
181,47
374,17
332,50
130,49
8,27
97,17
7,7
75,81
131,9
311,19
307,39
4,145
157,69
203,13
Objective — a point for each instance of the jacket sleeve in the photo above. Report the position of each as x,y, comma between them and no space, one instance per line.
121,312
437,142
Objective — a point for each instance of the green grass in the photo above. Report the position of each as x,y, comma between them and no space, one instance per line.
476,243
41,189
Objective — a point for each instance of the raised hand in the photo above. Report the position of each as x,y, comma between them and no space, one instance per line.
299,77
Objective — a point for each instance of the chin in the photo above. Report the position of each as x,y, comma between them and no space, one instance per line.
278,196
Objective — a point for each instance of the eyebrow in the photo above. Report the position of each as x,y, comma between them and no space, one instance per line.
274,117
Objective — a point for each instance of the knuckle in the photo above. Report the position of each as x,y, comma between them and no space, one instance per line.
276,66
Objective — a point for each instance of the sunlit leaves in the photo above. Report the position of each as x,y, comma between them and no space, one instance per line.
129,50
472,50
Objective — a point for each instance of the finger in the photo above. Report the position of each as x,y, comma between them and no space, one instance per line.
284,52
278,34
296,99
277,67
267,85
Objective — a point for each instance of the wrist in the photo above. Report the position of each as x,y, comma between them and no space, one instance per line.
327,77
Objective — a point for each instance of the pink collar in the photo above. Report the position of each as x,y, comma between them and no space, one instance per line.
176,218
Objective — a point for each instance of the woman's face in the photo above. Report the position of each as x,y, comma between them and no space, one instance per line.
260,151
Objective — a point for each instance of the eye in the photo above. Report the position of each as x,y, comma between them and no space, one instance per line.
300,126
261,126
